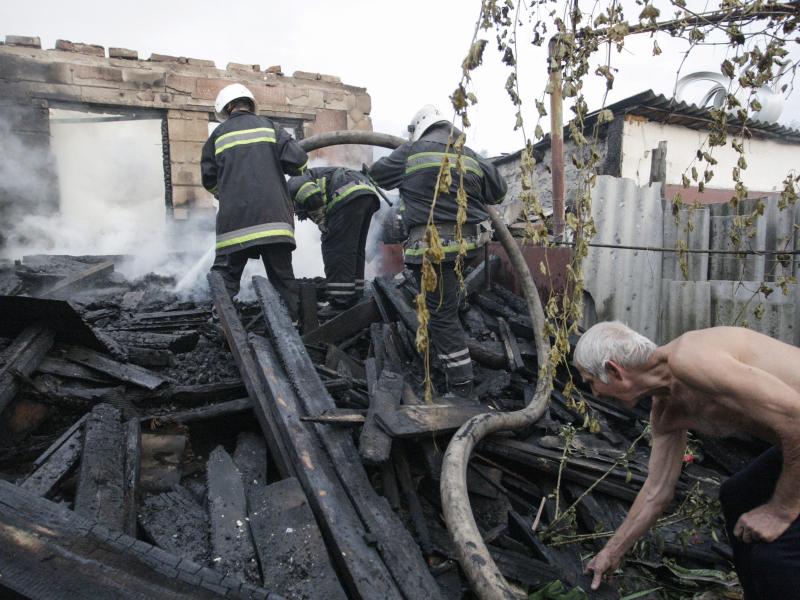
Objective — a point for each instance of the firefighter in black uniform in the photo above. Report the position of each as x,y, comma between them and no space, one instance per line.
341,202
414,167
242,164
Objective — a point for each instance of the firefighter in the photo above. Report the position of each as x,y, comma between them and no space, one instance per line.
413,168
242,164
341,202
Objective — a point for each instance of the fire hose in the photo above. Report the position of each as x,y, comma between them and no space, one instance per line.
485,578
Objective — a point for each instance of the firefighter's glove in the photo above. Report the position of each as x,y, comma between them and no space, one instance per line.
318,216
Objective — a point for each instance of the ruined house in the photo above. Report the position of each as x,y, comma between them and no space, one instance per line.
177,93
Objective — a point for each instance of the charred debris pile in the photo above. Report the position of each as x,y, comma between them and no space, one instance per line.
152,450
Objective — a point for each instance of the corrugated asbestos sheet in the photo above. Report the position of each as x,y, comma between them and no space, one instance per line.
647,290
626,284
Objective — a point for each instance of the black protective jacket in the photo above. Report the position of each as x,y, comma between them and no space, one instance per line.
330,187
414,168
243,163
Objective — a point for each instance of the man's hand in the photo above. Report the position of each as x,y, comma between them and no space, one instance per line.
764,523
602,566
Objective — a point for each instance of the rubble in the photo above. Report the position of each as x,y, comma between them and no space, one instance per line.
246,459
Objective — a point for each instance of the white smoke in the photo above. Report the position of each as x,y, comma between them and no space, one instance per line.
111,190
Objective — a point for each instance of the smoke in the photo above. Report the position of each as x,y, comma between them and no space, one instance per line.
99,190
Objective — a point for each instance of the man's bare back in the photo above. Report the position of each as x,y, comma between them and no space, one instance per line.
723,381
691,403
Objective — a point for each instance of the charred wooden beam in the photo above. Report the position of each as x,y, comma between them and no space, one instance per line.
120,371
180,342
343,364
77,280
48,552
133,462
289,542
56,462
277,407
409,490
513,355
399,554
148,357
346,324
64,368
213,411
22,357
263,402
427,419
101,484
20,312
309,319
375,446
231,541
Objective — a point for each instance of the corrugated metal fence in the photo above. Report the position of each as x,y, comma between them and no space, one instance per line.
647,289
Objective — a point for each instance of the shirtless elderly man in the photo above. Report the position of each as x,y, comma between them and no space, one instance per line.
719,381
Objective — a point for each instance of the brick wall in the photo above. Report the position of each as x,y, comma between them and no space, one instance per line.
183,90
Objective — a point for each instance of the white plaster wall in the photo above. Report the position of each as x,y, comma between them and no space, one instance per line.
768,161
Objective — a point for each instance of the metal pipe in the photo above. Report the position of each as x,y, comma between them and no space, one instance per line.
481,570
556,139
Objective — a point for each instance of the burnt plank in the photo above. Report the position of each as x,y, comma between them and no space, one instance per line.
74,282
120,371
427,419
250,457
21,358
207,392
398,552
177,523
178,342
513,355
245,360
345,325
70,370
149,357
200,414
231,542
480,275
406,483
48,552
343,363
298,448
20,312
358,563
309,320
101,482
289,544
133,463
56,462
375,446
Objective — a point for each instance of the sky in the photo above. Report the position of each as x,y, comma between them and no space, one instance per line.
405,54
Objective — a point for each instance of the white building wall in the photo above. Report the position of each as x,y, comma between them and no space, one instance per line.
768,161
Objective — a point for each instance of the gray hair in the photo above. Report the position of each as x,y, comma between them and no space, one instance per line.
611,340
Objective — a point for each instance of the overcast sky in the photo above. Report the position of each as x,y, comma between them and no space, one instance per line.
405,53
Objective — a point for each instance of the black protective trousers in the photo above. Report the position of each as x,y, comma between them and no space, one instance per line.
444,326
344,246
767,571
277,259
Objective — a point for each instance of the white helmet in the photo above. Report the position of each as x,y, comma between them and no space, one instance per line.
227,95
426,117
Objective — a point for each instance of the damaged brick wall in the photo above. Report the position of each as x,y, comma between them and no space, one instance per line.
83,75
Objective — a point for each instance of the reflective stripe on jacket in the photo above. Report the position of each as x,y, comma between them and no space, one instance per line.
414,169
328,186
243,163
